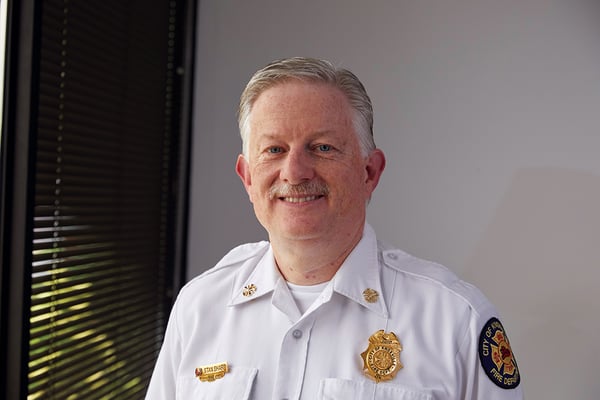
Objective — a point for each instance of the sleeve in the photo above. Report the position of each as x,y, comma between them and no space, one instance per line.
164,377
486,360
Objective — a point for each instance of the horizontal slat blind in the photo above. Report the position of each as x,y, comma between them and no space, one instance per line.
105,150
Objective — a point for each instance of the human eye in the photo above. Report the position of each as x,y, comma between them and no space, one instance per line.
275,150
325,148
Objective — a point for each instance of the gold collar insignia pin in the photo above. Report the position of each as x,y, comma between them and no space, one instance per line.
382,357
209,373
370,295
249,290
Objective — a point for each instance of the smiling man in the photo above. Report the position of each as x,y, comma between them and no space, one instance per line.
324,310
307,177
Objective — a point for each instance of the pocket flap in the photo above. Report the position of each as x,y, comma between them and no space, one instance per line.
344,389
235,385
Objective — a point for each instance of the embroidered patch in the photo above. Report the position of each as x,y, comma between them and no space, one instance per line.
496,356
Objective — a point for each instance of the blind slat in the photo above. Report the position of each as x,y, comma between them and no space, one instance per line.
106,142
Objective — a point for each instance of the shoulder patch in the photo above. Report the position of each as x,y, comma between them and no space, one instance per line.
496,356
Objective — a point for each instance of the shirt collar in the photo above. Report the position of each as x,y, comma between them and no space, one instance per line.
359,272
261,280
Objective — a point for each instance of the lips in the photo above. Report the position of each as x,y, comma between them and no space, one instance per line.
301,193
299,199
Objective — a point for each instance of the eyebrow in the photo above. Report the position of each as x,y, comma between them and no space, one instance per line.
312,136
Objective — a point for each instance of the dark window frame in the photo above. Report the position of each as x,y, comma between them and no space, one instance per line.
18,170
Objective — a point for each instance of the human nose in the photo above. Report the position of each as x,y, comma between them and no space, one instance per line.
297,167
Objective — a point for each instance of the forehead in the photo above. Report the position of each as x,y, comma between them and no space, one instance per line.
301,103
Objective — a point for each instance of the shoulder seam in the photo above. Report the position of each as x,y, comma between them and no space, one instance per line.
450,280
232,259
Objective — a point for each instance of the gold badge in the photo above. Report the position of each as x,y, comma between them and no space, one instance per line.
370,295
382,357
209,373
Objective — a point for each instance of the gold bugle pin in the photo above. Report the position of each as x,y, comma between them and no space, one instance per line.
209,373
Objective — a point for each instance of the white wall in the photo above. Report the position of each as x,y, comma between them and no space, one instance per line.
488,112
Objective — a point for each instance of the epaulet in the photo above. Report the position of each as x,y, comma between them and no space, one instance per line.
403,262
237,256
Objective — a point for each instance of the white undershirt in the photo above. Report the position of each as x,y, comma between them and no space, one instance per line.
305,295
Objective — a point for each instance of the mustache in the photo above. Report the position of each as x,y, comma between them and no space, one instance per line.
302,189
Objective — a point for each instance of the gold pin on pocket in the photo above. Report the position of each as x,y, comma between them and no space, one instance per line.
209,373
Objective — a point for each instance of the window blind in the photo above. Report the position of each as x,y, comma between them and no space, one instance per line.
105,164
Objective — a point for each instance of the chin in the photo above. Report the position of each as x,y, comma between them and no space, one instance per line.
302,233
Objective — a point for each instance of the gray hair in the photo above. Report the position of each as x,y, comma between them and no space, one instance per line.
310,70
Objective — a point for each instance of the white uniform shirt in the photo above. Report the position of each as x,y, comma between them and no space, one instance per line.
241,312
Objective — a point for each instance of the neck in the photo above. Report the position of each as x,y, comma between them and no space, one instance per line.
309,262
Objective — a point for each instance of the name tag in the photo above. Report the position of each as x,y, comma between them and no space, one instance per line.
209,373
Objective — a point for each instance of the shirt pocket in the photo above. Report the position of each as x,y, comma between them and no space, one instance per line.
235,385
344,389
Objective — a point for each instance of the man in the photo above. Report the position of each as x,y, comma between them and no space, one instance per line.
324,310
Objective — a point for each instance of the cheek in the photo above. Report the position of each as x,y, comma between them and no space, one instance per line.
351,187
261,183
256,194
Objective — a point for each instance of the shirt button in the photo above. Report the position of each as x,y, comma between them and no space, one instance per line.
393,256
297,334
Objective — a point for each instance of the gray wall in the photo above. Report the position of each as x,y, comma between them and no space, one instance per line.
488,113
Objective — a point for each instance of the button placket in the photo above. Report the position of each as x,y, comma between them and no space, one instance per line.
292,361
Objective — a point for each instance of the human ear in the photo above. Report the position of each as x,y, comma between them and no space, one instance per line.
374,168
242,168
